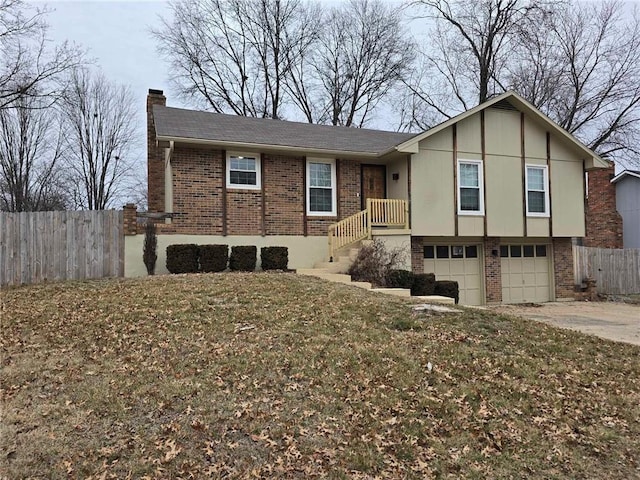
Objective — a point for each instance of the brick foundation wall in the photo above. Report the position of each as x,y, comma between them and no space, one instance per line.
493,270
603,222
155,156
563,267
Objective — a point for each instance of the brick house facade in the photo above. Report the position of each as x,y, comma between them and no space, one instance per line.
194,150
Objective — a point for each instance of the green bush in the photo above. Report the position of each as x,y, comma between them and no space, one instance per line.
243,258
214,258
447,288
274,258
423,284
182,258
399,279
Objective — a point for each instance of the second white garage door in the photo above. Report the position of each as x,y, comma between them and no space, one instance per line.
461,263
525,273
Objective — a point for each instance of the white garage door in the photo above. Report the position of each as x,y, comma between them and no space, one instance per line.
461,263
525,273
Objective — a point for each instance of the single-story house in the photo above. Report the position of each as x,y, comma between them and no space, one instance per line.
490,198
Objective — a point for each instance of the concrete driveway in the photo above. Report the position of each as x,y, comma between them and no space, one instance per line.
611,320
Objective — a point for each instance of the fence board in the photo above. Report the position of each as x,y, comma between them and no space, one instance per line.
45,246
616,271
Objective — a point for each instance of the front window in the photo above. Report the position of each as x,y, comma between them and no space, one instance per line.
243,171
537,191
321,187
470,188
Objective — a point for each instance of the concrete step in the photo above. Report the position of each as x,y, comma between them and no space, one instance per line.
363,285
436,299
398,292
340,265
321,273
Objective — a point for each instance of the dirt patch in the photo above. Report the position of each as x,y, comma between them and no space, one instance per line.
610,320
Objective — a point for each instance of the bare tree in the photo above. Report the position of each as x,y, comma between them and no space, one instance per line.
234,55
584,72
30,152
579,62
361,54
28,66
100,133
253,57
468,48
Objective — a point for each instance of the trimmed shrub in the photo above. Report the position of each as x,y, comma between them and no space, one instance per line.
274,258
214,258
447,288
182,258
374,262
243,258
149,250
423,284
399,279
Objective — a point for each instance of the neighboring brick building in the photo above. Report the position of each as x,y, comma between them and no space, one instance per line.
490,198
604,223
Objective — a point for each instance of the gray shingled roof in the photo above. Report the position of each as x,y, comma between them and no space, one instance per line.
180,123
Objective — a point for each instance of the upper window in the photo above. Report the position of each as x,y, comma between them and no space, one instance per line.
243,171
470,188
537,191
321,187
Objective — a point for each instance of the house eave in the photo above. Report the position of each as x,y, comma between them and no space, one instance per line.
262,147
623,174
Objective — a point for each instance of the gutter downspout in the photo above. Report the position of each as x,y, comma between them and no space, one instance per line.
168,182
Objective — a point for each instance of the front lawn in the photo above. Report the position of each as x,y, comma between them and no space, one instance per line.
277,375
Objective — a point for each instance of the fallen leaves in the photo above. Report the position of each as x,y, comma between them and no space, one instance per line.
235,376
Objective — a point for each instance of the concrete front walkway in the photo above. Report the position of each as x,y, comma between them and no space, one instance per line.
611,320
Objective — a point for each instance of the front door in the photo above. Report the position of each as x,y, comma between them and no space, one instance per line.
374,182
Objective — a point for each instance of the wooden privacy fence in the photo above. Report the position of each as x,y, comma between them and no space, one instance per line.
615,271
45,246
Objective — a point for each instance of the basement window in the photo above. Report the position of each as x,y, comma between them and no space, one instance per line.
243,171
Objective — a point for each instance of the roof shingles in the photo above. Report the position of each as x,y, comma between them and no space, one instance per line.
172,123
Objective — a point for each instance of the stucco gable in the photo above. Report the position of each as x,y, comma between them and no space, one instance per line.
511,100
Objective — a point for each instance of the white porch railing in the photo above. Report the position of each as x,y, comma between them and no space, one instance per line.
388,212
379,213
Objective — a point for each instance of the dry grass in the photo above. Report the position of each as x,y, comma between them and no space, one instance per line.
274,375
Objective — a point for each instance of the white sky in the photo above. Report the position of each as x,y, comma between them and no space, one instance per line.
116,36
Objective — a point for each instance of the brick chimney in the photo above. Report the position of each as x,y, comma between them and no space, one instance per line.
604,223
155,156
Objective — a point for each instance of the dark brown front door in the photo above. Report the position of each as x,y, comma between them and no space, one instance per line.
374,182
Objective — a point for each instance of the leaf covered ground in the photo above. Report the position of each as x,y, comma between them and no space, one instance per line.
283,376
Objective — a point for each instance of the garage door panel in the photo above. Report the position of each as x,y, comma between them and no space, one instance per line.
457,267
472,268
467,271
542,279
525,279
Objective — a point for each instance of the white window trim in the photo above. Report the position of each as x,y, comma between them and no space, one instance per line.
480,187
256,156
334,184
545,174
